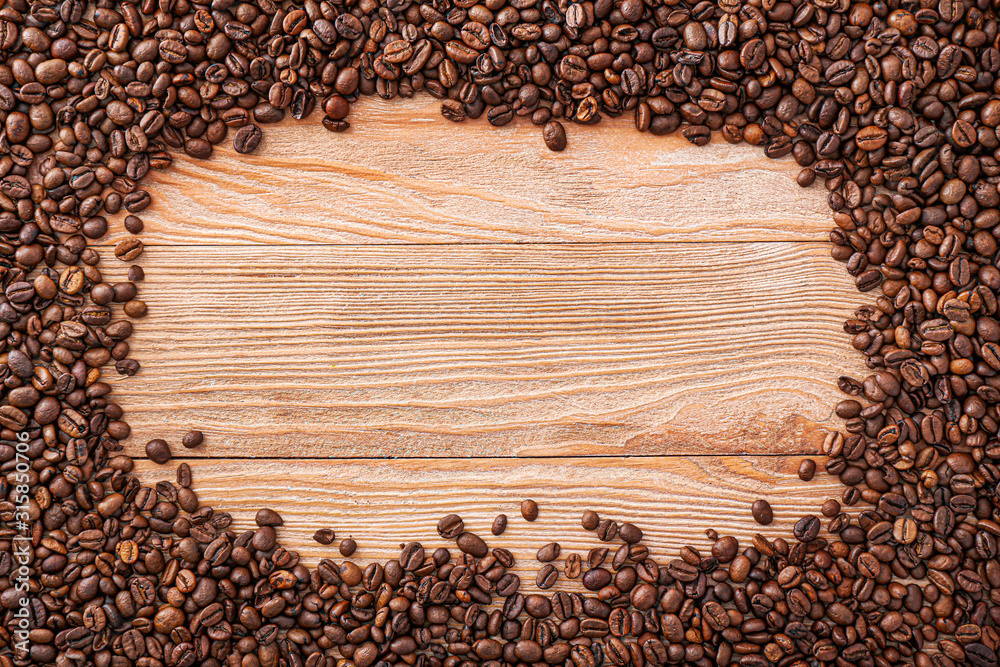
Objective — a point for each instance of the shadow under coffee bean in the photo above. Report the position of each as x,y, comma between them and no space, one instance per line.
892,106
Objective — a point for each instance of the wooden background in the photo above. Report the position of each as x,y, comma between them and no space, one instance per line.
377,328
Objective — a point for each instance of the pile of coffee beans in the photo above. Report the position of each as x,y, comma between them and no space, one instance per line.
891,105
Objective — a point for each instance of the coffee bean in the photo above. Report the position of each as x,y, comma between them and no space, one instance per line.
184,475
607,530
629,533
135,308
133,224
192,439
412,556
128,250
247,139
268,517
348,547
158,451
596,579
590,520
573,566
547,576
450,526
472,544
529,510
499,524
762,512
325,536
548,553
806,529
554,135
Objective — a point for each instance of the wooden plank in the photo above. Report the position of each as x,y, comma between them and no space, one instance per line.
384,503
403,174
365,351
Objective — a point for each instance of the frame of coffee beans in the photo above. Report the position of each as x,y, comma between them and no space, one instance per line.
892,106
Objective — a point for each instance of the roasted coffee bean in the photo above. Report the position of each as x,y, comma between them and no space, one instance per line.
762,512
629,533
472,544
806,529
450,526
128,250
554,135
607,530
325,536
348,547
547,576
133,224
548,553
158,451
247,138
268,517
529,510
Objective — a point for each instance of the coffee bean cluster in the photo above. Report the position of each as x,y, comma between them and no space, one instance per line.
892,106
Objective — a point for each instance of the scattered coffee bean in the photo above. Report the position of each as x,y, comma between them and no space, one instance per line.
548,553
133,224
607,530
268,517
247,138
529,510
450,526
348,547
158,451
555,135
325,536
762,512
629,533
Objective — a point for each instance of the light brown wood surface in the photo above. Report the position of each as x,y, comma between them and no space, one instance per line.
403,174
493,350
455,295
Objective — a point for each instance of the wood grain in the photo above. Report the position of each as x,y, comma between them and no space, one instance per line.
383,503
671,305
541,350
402,174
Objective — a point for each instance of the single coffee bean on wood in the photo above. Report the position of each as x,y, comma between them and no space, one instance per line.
762,513
158,451
325,536
555,135
348,547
